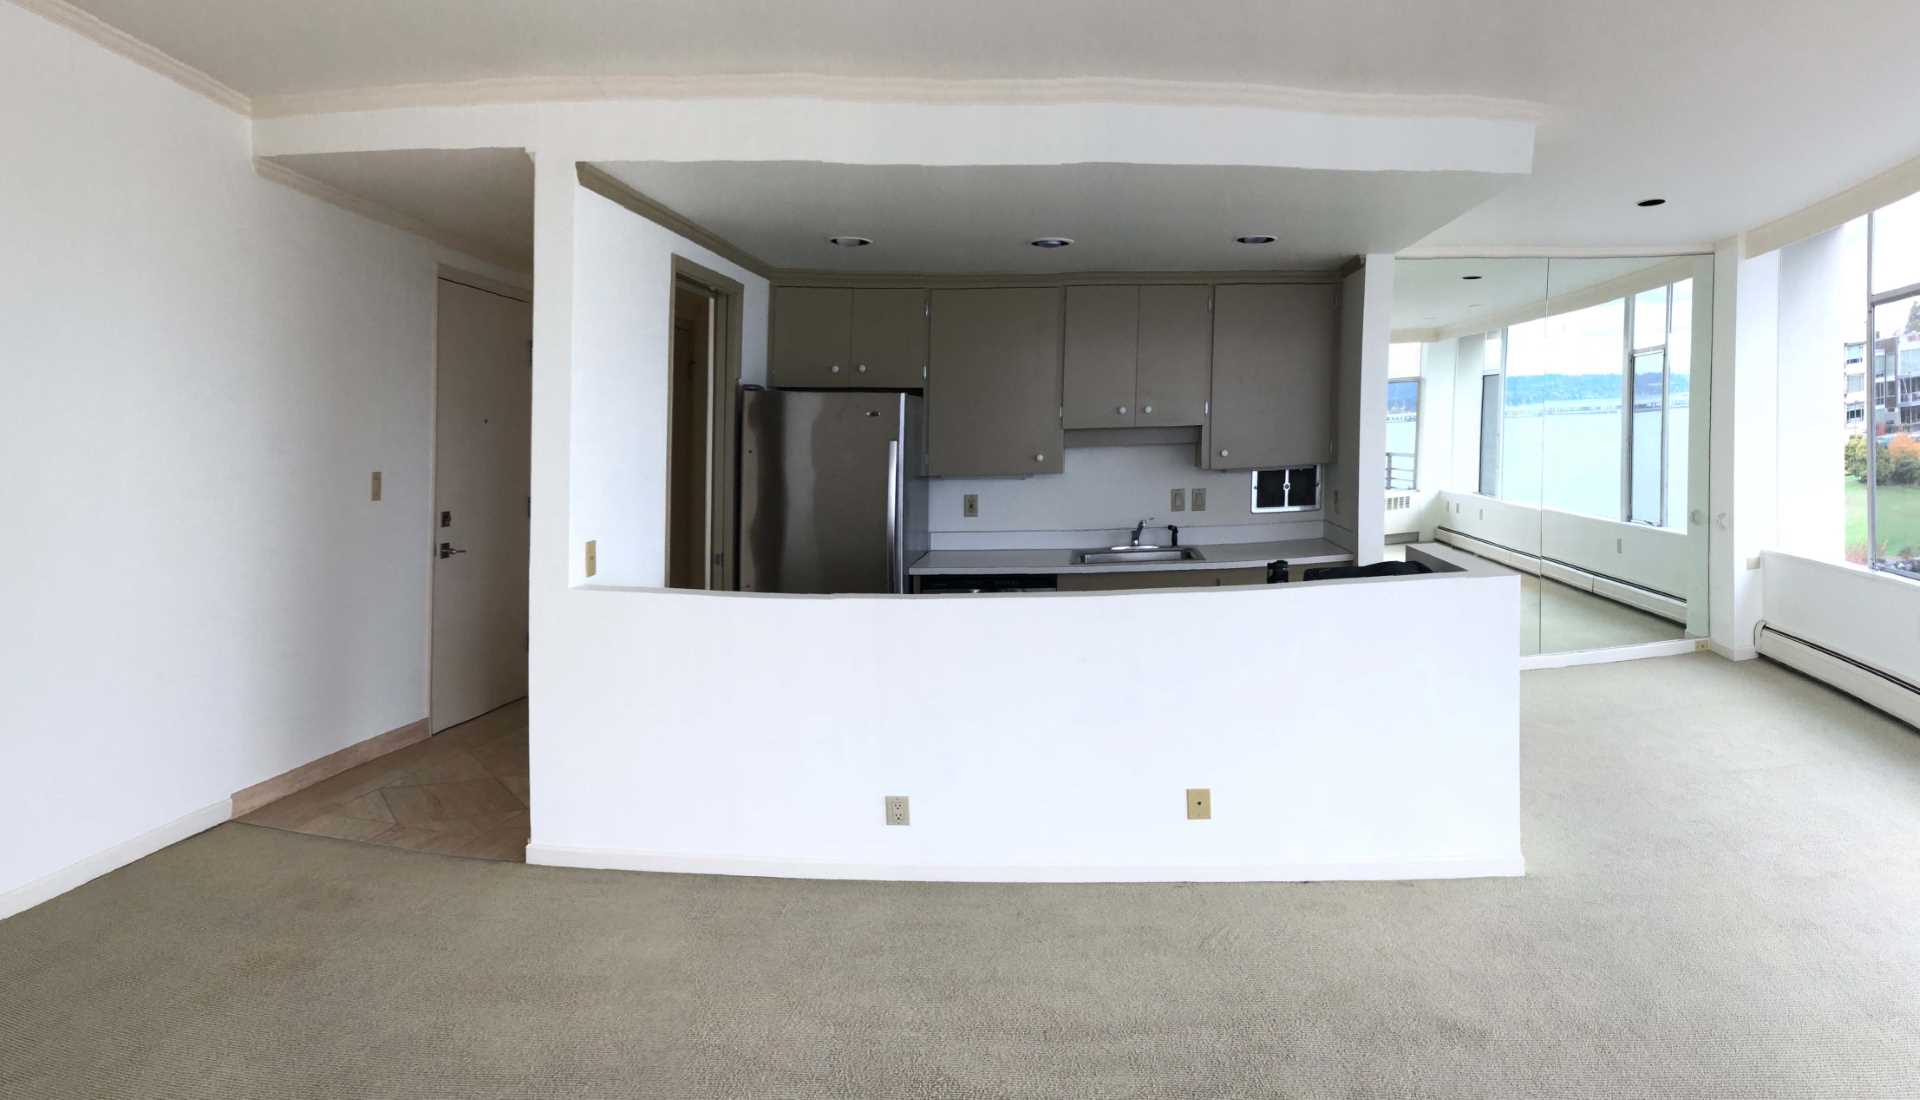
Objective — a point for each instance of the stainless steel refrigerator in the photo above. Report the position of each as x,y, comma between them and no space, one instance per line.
833,490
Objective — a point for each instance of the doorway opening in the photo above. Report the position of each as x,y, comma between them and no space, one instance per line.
703,383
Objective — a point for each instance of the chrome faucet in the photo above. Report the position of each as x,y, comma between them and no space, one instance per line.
1137,528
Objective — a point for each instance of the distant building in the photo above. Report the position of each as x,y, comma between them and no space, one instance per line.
1897,391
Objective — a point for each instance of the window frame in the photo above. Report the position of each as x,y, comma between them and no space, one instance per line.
1419,385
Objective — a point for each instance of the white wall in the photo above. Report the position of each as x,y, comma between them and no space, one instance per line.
622,330
1036,739
1870,617
1358,474
1651,557
1746,441
202,369
1104,491
1823,293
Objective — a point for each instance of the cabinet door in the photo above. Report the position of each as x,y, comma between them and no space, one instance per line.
993,383
1102,326
1274,361
1175,356
889,339
811,338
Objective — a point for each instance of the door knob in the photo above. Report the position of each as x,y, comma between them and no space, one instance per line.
448,550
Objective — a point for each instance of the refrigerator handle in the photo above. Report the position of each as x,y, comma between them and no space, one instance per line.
896,582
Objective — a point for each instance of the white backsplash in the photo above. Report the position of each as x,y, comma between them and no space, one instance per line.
1101,495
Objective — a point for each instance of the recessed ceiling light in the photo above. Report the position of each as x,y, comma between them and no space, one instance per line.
1472,278
1256,238
850,242
1051,242
1651,202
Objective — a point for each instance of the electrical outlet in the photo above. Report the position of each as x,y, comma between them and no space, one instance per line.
1619,546
1702,646
376,485
970,506
1199,803
1199,499
593,556
897,810
446,519
1179,501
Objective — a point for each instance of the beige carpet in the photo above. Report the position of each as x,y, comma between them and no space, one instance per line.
1724,902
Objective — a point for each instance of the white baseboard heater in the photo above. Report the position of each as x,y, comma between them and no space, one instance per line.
1858,679
1573,576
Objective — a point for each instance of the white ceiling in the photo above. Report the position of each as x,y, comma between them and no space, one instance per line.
1121,217
477,200
1738,111
1435,293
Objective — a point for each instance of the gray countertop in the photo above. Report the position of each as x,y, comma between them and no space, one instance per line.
1241,555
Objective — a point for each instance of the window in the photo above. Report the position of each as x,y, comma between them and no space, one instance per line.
1288,489
1403,416
1881,375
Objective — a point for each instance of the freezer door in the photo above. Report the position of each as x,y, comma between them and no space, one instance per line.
819,503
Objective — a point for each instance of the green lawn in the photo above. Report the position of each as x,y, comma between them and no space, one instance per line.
1899,520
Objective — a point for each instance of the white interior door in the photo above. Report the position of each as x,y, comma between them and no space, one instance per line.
482,436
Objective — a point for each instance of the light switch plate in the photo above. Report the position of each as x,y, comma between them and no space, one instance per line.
1199,500
897,810
1179,501
1199,803
970,506
376,485
593,556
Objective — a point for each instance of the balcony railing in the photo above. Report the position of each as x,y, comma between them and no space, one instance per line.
1402,470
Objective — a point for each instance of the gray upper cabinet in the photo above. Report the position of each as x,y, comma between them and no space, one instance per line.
1175,356
1102,338
993,387
812,337
1275,354
827,337
889,339
1137,356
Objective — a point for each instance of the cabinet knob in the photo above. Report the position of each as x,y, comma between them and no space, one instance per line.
1039,457
1224,452
1122,410
862,368
1146,408
835,368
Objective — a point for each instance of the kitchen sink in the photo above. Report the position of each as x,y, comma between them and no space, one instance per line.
1113,555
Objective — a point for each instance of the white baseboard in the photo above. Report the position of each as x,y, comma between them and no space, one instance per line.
22,898
618,859
1670,648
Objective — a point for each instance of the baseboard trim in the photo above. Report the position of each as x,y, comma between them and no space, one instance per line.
22,898
306,775
619,859
1670,648
1735,653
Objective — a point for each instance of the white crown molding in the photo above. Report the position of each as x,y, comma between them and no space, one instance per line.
1550,252
898,90
113,38
1861,199
385,215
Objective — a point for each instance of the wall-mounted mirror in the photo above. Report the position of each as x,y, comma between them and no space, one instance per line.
1464,449
1559,429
